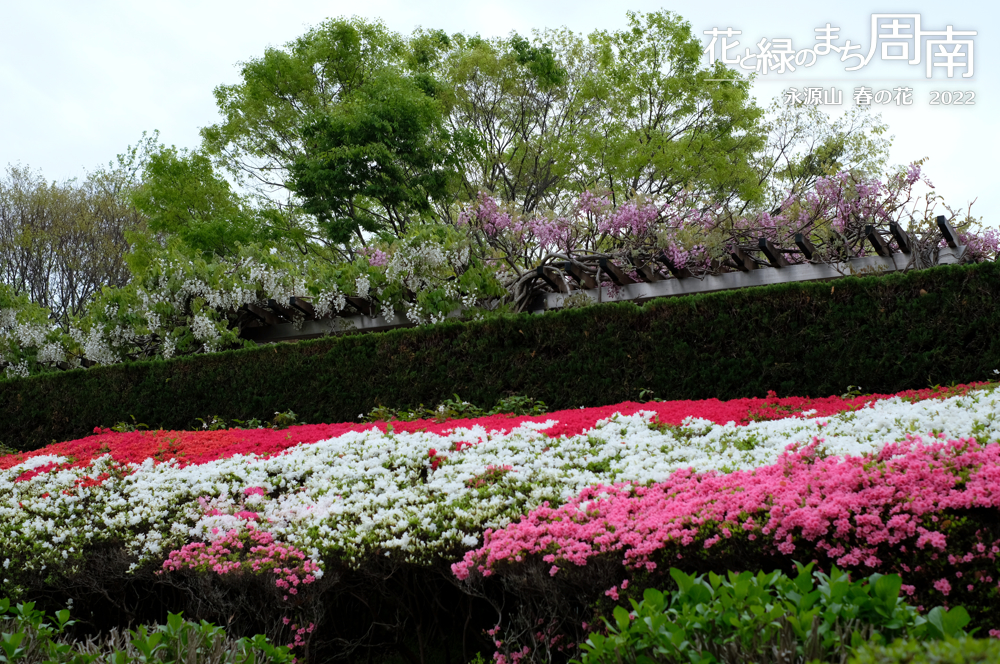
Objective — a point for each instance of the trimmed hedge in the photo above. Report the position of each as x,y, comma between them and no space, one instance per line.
885,333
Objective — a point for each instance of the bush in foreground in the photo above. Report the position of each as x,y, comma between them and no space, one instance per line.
765,618
29,636
963,650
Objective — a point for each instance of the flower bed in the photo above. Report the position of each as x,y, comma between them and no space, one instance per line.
419,494
926,509
633,482
871,511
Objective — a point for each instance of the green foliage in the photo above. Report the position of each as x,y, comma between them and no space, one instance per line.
376,163
30,636
804,144
281,420
29,339
451,409
805,339
371,129
765,617
214,423
179,302
60,242
181,195
288,88
962,650
540,61
123,426
673,128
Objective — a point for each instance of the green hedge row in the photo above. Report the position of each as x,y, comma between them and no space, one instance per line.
884,333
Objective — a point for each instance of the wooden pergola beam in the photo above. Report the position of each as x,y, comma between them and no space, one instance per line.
877,241
950,236
677,271
263,314
772,253
615,273
744,261
902,239
805,246
581,276
303,306
552,277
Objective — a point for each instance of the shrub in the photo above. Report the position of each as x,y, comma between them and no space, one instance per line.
923,511
765,618
949,651
29,636
451,409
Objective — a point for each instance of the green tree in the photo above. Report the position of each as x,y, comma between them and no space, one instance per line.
670,123
61,242
375,163
805,144
183,196
344,121
519,108
260,134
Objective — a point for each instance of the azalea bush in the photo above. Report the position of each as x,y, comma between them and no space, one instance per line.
924,509
560,509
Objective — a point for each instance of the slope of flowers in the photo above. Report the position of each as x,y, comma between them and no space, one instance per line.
417,496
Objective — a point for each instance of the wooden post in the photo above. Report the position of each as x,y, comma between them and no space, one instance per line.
902,239
876,240
950,236
774,256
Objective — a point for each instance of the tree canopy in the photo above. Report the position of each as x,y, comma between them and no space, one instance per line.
367,130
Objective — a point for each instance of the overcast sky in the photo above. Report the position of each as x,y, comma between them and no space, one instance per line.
81,81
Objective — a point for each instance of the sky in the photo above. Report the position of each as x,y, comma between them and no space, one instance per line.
79,82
